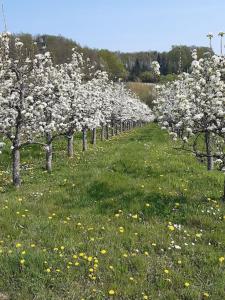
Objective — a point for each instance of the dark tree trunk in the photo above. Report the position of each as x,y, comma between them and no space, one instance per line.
113,129
70,139
208,144
116,129
224,190
103,132
121,126
84,139
16,166
94,137
107,131
49,153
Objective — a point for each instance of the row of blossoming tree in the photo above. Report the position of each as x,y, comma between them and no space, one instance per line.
40,101
193,108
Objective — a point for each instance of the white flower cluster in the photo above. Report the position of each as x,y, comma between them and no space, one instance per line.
193,107
40,99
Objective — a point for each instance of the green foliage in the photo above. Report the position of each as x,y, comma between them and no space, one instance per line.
112,64
167,78
118,197
148,77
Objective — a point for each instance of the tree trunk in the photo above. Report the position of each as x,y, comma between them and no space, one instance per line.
208,144
107,131
103,132
93,140
224,190
16,166
49,153
116,129
121,126
70,139
84,139
113,130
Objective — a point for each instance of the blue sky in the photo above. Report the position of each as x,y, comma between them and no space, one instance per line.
125,25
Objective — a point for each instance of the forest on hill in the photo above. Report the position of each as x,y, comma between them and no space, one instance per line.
128,66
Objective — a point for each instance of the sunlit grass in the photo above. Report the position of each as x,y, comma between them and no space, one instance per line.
131,219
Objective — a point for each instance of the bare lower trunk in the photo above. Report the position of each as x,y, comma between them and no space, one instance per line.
16,166
94,137
70,139
208,144
116,129
224,190
121,126
84,139
107,131
103,133
49,153
113,130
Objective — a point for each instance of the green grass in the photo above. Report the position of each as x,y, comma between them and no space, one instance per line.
119,197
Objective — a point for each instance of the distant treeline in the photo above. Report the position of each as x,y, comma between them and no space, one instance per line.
128,66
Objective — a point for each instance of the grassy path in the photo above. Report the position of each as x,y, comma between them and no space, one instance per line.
132,219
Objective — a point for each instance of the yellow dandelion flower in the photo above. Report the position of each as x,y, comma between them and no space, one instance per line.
22,261
18,245
111,292
221,259
206,295
103,251
171,227
166,271
186,284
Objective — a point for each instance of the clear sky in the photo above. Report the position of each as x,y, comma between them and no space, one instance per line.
125,25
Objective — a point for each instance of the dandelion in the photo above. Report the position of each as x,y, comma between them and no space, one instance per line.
18,245
221,259
48,270
186,284
171,227
22,261
111,292
166,271
135,216
121,230
103,251
198,235
206,295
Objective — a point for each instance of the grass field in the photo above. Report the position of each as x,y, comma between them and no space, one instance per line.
132,219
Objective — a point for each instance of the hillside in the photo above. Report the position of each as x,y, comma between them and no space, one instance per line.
130,219
128,66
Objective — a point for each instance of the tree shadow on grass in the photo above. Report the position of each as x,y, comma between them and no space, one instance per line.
109,199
